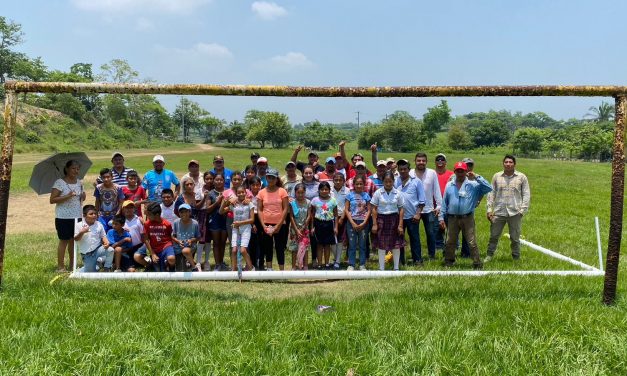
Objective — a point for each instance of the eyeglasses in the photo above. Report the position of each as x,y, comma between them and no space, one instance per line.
440,160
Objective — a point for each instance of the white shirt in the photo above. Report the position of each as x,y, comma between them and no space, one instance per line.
70,208
167,213
340,197
388,203
90,240
134,227
433,194
198,185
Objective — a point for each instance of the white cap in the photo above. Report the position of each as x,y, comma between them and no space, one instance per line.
158,157
360,163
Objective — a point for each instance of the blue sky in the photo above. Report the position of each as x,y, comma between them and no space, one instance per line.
348,43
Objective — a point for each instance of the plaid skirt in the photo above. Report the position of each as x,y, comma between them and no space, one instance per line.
387,233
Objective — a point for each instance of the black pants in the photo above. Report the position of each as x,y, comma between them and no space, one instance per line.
277,241
254,246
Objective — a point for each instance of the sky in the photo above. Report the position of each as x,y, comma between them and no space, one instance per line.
340,43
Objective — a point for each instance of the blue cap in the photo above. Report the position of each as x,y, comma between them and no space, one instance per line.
331,160
185,207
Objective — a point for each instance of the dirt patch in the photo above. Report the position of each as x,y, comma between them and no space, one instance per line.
29,213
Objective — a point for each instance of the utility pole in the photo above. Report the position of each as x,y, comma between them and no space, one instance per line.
183,119
358,121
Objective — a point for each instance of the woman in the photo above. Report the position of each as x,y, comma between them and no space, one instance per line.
273,205
189,197
387,218
67,194
311,192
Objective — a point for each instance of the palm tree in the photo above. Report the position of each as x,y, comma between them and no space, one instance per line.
605,112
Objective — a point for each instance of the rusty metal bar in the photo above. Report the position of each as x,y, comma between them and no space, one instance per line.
308,91
6,162
616,203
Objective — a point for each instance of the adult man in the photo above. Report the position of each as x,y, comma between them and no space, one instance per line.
350,168
262,168
291,178
444,176
458,203
118,170
253,160
341,165
507,203
193,168
312,158
470,163
360,169
390,162
377,178
218,168
430,215
414,195
329,171
158,179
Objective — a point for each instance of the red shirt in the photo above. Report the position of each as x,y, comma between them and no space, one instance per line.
352,172
325,176
159,234
138,194
443,179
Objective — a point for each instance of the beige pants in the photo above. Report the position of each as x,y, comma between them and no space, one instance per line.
466,224
514,224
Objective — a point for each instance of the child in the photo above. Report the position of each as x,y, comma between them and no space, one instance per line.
387,218
230,198
299,231
253,246
357,212
158,240
120,239
217,222
185,234
109,198
324,213
135,227
339,192
167,205
92,241
204,242
243,218
134,192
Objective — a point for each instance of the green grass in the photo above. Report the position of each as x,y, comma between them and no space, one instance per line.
434,325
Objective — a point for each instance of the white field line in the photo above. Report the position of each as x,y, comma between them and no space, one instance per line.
327,275
556,255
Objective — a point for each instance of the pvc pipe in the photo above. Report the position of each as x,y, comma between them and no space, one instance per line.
75,250
557,255
596,223
316,274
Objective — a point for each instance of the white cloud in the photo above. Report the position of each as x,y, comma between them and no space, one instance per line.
144,24
268,11
210,50
140,6
292,59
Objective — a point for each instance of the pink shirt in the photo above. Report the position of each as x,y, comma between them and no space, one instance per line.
272,205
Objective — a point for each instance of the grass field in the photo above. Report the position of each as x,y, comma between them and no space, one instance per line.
432,325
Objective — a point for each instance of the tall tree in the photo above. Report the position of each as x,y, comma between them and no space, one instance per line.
604,112
11,35
188,115
435,119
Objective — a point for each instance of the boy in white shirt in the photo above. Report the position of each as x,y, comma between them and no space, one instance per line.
92,241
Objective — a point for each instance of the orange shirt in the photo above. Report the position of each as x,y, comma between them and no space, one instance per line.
272,205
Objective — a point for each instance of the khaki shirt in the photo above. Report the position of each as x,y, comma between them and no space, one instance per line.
510,194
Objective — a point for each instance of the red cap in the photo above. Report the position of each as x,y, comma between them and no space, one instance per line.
460,166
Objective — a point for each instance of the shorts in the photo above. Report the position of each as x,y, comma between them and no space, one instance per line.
217,222
163,255
65,227
241,235
178,249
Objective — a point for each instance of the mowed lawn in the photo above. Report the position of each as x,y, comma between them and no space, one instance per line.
433,325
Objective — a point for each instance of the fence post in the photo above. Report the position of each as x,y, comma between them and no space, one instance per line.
6,162
616,203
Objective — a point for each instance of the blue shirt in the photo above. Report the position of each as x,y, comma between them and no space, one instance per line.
227,177
463,200
154,183
414,194
114,237
378,183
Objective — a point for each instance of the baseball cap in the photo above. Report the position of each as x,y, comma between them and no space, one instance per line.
312,153
290,163
218,158
468,160
381,162
158,157
115,154
193,161
128,203
403,161
262,160
390,160
330,160
254,155
360,163
440,156
337,155
272,172
185,207
460,166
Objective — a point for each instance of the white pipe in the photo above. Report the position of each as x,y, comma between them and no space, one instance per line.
556,255
75,250
596,223
328,275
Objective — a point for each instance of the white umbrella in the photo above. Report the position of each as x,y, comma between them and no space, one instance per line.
46,172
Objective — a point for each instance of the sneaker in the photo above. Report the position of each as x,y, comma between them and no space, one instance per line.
477,266
336,266
206,267
197,268
217,268
350,268
225,266
269,269
487,259
327,267
418,264
100,262
117,271
362,267
188,265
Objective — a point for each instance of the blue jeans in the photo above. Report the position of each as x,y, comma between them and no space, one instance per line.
432,225
357,239
413,229
90,259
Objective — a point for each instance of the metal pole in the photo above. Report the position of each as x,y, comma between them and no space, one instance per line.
616,203
6,162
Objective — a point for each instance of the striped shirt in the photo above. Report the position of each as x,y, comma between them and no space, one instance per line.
510,194
119,178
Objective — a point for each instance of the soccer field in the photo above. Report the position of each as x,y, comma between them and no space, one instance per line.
502,324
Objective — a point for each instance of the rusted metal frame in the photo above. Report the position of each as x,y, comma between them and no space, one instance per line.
307,91
6,162
616,203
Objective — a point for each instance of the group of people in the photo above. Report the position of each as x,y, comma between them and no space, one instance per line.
162,223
